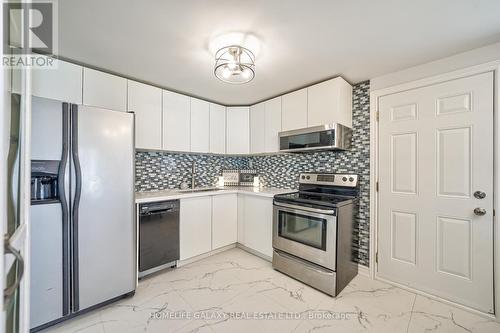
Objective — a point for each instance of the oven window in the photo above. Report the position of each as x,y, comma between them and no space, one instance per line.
304,229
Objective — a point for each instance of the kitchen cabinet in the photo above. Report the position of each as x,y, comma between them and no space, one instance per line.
241,218
200,126
272,125
195,226
224,220
217,128
176,122
258,224
62,83
104,90
257,128
294,110
146,102
237,130
329,102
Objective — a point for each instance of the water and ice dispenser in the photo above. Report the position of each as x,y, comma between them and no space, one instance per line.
44,181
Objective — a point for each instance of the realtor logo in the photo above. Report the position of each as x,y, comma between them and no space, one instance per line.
29,31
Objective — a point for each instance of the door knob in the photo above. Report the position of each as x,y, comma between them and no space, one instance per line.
479,211
479,195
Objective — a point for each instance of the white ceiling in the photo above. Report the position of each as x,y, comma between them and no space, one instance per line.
168,42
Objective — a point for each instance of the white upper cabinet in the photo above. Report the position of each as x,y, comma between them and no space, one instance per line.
217,128
145,102
176,122
62,83
257,128
200,126
237,126
330,102
294,110
272,125
104,90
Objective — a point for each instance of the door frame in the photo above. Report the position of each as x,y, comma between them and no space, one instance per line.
375,96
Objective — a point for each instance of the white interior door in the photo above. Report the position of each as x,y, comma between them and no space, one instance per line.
435,156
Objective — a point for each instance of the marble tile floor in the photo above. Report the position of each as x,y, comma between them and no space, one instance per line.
235,291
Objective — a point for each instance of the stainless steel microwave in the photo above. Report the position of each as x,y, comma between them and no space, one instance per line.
325,137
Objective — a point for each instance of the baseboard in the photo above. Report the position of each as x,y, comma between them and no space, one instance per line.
255,253
364,271
181,263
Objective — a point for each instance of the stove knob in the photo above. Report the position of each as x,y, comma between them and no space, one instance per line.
351,179
344,179
303,177
308,177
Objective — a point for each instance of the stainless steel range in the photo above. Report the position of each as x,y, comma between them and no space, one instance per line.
313,231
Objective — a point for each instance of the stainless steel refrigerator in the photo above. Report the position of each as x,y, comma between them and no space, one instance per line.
83,230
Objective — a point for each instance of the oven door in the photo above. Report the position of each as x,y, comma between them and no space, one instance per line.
305,232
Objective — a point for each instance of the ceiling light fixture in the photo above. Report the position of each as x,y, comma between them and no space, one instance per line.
234,64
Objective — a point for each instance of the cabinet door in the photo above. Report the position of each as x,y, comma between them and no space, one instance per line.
62,83
294,110
257,128
145,102
176,122
195,227
259,224
104,90
238,138
272,125
329,102
200,126
217,128
224,220
241,219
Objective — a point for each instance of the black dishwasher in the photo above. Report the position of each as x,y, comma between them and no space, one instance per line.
158,236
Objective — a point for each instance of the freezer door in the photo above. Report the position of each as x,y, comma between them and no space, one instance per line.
46,282
103,216
49,223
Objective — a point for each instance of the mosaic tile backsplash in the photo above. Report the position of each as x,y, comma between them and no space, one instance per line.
163,171
160,170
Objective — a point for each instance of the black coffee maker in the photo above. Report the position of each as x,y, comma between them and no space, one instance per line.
44,181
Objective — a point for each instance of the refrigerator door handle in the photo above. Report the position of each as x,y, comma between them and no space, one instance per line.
76,203
61,184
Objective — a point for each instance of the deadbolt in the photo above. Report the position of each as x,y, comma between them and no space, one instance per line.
479,211
479,195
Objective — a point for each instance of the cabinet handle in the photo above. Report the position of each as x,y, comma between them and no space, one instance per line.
10,291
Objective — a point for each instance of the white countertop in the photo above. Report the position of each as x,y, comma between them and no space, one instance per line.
150,196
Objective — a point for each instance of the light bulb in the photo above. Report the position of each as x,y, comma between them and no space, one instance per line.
246,73
226,72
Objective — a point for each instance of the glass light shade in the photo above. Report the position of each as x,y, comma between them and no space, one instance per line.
234,64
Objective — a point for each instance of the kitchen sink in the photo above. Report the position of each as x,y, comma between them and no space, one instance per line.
201,189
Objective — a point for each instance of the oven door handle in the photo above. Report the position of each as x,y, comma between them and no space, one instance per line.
306,209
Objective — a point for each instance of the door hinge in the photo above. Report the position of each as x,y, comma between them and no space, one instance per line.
376,187
494,213
377,115
376,257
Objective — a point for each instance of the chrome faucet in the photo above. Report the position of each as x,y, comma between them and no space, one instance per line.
193,175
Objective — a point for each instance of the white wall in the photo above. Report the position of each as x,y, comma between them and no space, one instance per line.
462,60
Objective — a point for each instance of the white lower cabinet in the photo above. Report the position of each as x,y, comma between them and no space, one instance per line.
211,222
258,224
241,219
224,220
195,227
